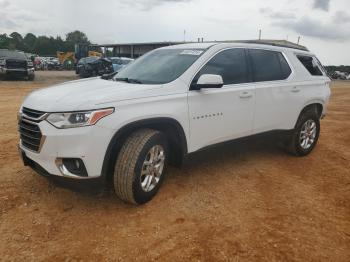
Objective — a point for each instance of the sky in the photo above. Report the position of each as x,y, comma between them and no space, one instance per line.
323,25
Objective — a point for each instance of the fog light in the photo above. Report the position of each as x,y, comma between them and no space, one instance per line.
71,167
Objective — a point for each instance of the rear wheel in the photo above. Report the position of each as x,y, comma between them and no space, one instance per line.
140,166
305,134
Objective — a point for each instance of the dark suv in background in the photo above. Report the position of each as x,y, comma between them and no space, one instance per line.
93,66
15,64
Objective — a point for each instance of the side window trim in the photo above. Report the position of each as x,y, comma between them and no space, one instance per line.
277,51
250,76
249,66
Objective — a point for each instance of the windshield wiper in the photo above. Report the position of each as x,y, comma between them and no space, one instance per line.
128,80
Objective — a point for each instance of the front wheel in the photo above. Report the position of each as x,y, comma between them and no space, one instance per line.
305,134
140,166
31,77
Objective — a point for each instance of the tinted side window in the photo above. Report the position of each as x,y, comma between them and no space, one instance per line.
231,64
268,65
311,65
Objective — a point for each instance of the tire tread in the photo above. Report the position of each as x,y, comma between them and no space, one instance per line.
126,162
291,144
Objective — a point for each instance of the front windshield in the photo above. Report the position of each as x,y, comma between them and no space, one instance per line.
120,61
91,59
116,60
159,66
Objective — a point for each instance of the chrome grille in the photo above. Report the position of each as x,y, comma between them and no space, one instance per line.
29,130
16,64
32,113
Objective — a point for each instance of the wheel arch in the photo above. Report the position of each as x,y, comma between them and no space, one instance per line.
169,126
317,105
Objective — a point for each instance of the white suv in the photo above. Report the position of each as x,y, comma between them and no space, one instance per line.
168,103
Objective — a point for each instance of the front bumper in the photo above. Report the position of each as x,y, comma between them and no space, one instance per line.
16,71
86,143
95,185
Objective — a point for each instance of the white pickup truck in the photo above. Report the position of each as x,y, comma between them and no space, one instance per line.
170,102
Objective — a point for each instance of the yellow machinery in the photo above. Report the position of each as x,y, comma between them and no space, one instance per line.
94,53
67,59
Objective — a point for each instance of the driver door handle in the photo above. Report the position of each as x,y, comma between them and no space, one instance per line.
245,94
295,89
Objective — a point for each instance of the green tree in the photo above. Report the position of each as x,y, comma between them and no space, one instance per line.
29,42
16,41
77,37
17,37
42,45
4,41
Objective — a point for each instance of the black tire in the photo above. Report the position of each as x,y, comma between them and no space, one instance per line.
94,73
129,164
31,77
83,73
293,144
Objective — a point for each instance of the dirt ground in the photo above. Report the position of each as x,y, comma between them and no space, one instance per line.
246,201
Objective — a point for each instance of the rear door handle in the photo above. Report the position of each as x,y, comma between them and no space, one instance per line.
295,89
245,94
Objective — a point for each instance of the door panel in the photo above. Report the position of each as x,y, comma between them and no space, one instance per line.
222,114
276,105
277,98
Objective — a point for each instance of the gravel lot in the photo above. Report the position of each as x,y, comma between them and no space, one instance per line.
246,201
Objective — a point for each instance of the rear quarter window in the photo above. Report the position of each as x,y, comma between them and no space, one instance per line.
268,65
311,64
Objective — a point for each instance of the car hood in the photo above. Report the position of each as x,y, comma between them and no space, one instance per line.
88,94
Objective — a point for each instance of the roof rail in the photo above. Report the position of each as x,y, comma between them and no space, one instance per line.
279,43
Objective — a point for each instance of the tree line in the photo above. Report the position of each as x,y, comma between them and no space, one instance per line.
341,68
42,45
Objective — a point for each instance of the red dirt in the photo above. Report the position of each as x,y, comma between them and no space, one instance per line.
246,201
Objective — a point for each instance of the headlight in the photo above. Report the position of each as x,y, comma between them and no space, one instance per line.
30,63
2,62
78,119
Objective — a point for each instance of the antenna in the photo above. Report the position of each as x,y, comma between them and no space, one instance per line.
259,34
184,35
298,40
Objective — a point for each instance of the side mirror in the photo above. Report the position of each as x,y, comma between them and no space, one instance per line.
208,81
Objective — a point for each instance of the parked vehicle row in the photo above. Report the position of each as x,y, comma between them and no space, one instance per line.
119,62
170,102
340,75
46,63
97,66
15,64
